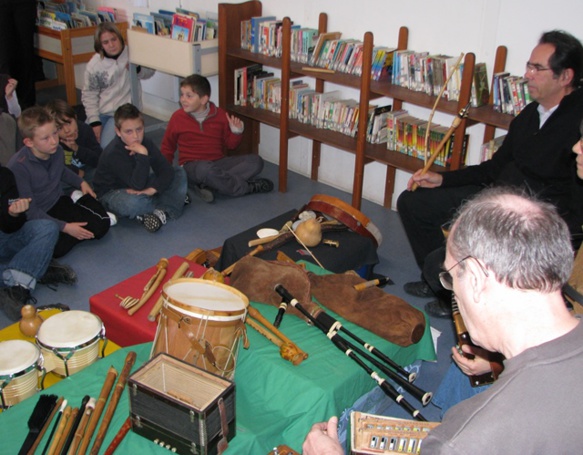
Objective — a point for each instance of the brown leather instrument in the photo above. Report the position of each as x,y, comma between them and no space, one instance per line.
494,358
346,214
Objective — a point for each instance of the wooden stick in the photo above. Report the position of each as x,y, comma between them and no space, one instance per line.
456,121
116,395
318,70
82,425
307,249
66,430
118,437
150,288
96,414
158,305
60,430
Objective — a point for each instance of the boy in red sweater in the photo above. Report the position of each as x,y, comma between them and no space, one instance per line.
201,132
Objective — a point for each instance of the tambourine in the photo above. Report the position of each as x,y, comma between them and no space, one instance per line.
346,214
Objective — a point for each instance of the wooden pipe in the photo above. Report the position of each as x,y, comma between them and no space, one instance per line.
158,305
151,286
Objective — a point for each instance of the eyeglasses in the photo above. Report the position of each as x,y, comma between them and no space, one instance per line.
446,279
534,68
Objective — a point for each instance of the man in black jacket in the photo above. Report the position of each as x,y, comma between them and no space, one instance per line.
536,155
26,249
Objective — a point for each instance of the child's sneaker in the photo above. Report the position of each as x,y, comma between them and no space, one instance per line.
204,193
153,221
112,218
58,273
76,195
260,185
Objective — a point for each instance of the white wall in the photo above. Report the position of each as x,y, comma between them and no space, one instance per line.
447,26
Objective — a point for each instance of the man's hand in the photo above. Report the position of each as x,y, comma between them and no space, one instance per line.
19,206
78,231
428,180
471,367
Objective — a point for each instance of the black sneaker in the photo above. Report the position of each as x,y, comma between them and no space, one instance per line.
12,300
153,221
58,273
260,185
204,193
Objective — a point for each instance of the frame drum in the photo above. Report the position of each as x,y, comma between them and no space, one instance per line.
201,323
20,365
69,341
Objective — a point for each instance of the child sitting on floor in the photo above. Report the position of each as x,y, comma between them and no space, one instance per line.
123,179
201,131
39,170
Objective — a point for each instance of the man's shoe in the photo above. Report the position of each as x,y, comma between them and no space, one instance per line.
438,309
12,300
58,273
204,193
418,289
260,185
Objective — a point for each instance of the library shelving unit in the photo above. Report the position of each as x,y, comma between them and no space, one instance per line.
231,57
67,48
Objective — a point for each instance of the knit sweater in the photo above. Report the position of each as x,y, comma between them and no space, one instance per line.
107,85
196,141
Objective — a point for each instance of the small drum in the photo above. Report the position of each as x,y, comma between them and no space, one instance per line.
69,341
202,323
20,366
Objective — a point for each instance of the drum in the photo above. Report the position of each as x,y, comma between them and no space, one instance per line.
21,363
202,323
69,341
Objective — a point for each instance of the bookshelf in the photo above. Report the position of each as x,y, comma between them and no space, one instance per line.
231,57
68,48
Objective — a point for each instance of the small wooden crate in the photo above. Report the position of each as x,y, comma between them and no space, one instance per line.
182,407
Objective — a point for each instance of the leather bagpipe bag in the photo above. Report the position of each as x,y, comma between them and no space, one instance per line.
385,315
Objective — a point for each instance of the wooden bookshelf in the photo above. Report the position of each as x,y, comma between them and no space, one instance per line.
231,57
67,48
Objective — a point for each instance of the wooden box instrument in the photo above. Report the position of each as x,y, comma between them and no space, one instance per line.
374,435
182,407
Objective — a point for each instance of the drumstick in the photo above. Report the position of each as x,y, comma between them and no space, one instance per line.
150,288
116,395
82,425
158,305
118,437
75,424
62,422
307,249
96,414
229,269
66,430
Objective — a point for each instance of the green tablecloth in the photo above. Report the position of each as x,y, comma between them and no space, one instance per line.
276,402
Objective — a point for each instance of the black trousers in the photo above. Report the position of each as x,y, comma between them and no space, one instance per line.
425,211
17,55
86,209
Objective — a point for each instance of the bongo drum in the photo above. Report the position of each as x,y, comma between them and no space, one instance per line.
21,364
201,323
69,341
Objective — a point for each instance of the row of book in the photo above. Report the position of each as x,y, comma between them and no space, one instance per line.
489,148
425,72
182,24
263,34
510,93
408,135
73,14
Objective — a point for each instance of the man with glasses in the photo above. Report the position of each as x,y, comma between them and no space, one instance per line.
508,256
536,155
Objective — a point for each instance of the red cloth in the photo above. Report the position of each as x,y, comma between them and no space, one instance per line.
126,330
194,143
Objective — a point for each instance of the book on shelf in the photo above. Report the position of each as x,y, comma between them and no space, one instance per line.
187,12
382,61
183,27
255,31
199,30
144,21
322,42
392,118
163,22
480,91
243,83
377,124
489,148
107,13
302,43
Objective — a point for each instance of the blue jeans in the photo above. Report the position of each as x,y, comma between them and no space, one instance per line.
170,201
107,130
26,253
455,387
